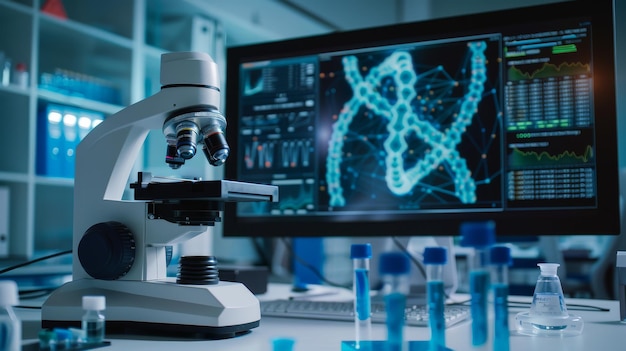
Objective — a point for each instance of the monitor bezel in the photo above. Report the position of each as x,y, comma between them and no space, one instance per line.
602,220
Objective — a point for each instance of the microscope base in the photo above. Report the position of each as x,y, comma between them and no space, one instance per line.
213,311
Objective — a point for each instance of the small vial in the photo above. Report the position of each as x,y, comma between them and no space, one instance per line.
283,344
480,236
394,270
10,324
500,261
434,259
93,322
20,75
361,255
5,76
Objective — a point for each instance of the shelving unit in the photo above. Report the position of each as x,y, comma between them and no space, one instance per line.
94,42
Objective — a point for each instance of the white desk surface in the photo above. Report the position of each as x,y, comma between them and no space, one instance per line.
602,332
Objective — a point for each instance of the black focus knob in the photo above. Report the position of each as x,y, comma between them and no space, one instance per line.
107,250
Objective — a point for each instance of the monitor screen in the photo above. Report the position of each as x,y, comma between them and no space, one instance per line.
412,129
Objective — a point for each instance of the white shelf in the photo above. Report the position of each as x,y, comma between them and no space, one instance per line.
57,24
81,102
92,45
100,41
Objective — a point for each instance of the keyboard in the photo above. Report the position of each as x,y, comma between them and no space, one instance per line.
416,315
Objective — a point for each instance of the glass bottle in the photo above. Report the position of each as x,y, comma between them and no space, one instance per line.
10,324
93,321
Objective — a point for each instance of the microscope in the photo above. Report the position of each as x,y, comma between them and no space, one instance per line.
120,247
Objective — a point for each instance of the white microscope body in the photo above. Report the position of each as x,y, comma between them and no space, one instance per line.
119,246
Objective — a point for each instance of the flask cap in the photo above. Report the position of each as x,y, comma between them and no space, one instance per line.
8,293
394,263
548,269
478,234
94,303
435,255
501,255
361,251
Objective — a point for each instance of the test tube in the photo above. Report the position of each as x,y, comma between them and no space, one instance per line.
500,261
434,259
394,270
360,255
480,236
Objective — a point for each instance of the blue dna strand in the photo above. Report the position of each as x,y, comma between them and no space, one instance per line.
403,120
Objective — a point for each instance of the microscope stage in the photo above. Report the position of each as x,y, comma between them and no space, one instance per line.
214,190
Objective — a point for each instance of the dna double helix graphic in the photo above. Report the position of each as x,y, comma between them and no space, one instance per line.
403,120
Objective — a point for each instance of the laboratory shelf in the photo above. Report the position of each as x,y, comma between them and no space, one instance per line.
100,46
51,96
59,26
54,232
21,6
14,89
55,181
15,132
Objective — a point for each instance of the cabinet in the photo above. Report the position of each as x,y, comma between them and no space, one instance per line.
100,41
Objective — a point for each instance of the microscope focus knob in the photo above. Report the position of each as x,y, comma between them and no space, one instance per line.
107,250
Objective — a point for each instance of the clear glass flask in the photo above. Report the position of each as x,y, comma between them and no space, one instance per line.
548,315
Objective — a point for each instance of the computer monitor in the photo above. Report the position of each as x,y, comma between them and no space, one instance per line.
412,129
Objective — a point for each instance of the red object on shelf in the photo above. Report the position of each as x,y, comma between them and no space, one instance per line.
54,8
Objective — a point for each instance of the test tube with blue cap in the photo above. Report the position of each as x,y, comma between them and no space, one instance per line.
394,270
361,255
434,259
480,236
500,261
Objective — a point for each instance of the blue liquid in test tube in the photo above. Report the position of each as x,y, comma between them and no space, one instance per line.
501,338
500,257
395,304
436,319
362,286
480,236
435,259
479,290
394,270
361,254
